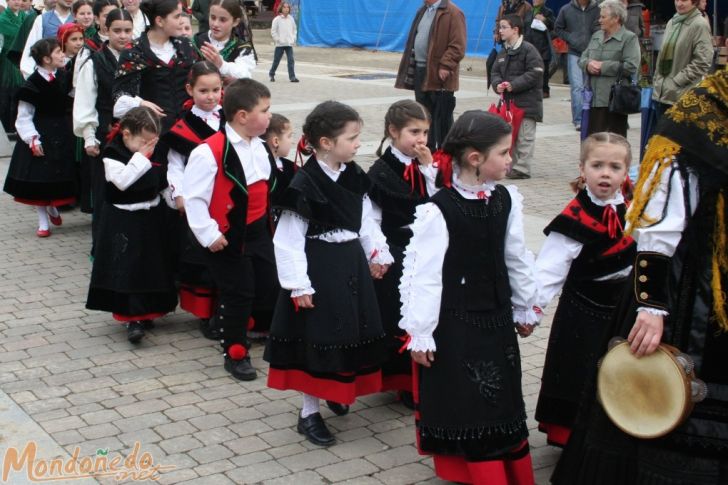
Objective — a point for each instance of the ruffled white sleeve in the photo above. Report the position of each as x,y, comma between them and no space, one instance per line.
553,265
371,237
175,172
421,285
520,263
125,103
27,64
430,174
289,242
123,176
24,125
197,185
85,116
242,67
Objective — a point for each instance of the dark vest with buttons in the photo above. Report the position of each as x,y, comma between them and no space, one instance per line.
396,197
145,189
474,272
325,204
601,255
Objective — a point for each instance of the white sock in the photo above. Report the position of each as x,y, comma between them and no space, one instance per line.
42,218
310,405
52,211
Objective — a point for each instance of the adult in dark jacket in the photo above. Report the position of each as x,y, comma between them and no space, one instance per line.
517,75
431,62
537,26
576,23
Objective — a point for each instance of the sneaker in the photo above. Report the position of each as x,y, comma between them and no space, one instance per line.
242,370
315,430
134,332
272,79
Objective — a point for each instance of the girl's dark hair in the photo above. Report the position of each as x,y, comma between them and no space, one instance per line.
280,7
328,119
232,6
100,4
277,125
157,8
243,94
201,68
515,21
474,129
140,118
80,3
118,14
43,48
399,114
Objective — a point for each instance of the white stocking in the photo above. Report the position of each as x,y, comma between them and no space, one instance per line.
42,218
310,405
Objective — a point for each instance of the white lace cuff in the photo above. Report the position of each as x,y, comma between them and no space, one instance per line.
422,343
653,311
302,291
527,316
381,257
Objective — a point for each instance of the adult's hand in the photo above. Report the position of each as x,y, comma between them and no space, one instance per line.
646,333
443,74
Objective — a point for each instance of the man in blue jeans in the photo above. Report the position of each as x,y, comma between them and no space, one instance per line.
576,23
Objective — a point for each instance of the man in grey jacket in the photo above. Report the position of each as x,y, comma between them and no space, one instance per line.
576,23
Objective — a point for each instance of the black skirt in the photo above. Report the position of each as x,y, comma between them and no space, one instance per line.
581,320
132,269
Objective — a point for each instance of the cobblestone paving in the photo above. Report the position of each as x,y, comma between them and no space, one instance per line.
77,382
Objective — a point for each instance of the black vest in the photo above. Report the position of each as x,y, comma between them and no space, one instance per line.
105,65
474,273
327,205
145,189
396,197
50,99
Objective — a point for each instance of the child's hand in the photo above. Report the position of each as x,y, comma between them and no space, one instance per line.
304,301
423,358
219,244
154,107
179,202
211,54
524,329
93,151
37,150
378,270
148,148
424,155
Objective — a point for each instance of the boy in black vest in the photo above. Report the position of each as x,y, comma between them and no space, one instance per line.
227,185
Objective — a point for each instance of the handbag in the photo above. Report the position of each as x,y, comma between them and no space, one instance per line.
624,98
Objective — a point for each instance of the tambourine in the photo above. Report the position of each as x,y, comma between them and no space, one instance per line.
650,396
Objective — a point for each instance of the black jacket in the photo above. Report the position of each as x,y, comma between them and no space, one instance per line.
523,68
541,40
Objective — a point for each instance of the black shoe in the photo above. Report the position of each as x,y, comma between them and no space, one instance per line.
407,399
272,79
516,175
148,324
295,80
134,332
210,329
315,430
242,370
338,409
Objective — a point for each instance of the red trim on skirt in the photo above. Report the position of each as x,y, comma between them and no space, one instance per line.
329,389
556,435
198,301
133,318
43,203
397,382
491,472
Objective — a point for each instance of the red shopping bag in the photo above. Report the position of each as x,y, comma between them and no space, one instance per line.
512,114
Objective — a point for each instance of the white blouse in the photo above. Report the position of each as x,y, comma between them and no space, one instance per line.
176,161
139,22
24,125
559,251
290,239
421,284
239,68
85,116
123,176
199,181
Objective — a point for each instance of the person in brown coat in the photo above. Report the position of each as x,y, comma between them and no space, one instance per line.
431,60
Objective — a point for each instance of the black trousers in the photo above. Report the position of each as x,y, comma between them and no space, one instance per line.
247,283
442,115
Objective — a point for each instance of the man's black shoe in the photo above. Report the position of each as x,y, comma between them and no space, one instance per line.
338,409
210,329
242,370
134,332
315,430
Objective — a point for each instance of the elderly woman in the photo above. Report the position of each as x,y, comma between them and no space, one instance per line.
611,49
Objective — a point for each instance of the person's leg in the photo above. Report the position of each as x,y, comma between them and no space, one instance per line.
546,75
525,146
617,123
598,120
576,84
277,55
291,63
43,223
421,96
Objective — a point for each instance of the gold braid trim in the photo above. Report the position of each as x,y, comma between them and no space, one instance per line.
720,265
661,152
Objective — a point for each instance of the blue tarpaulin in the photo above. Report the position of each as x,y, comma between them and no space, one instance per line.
384,24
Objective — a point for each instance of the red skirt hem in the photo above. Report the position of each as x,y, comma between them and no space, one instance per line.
397,382
43,203
556,435
198,301
490,472
133,318
328,389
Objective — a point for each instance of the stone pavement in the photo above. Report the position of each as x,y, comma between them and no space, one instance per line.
69,378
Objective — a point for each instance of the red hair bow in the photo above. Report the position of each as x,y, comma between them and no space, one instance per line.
115,129
188,104
302,148
443,162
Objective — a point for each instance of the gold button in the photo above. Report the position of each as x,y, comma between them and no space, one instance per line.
643,264
644,295
643,279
